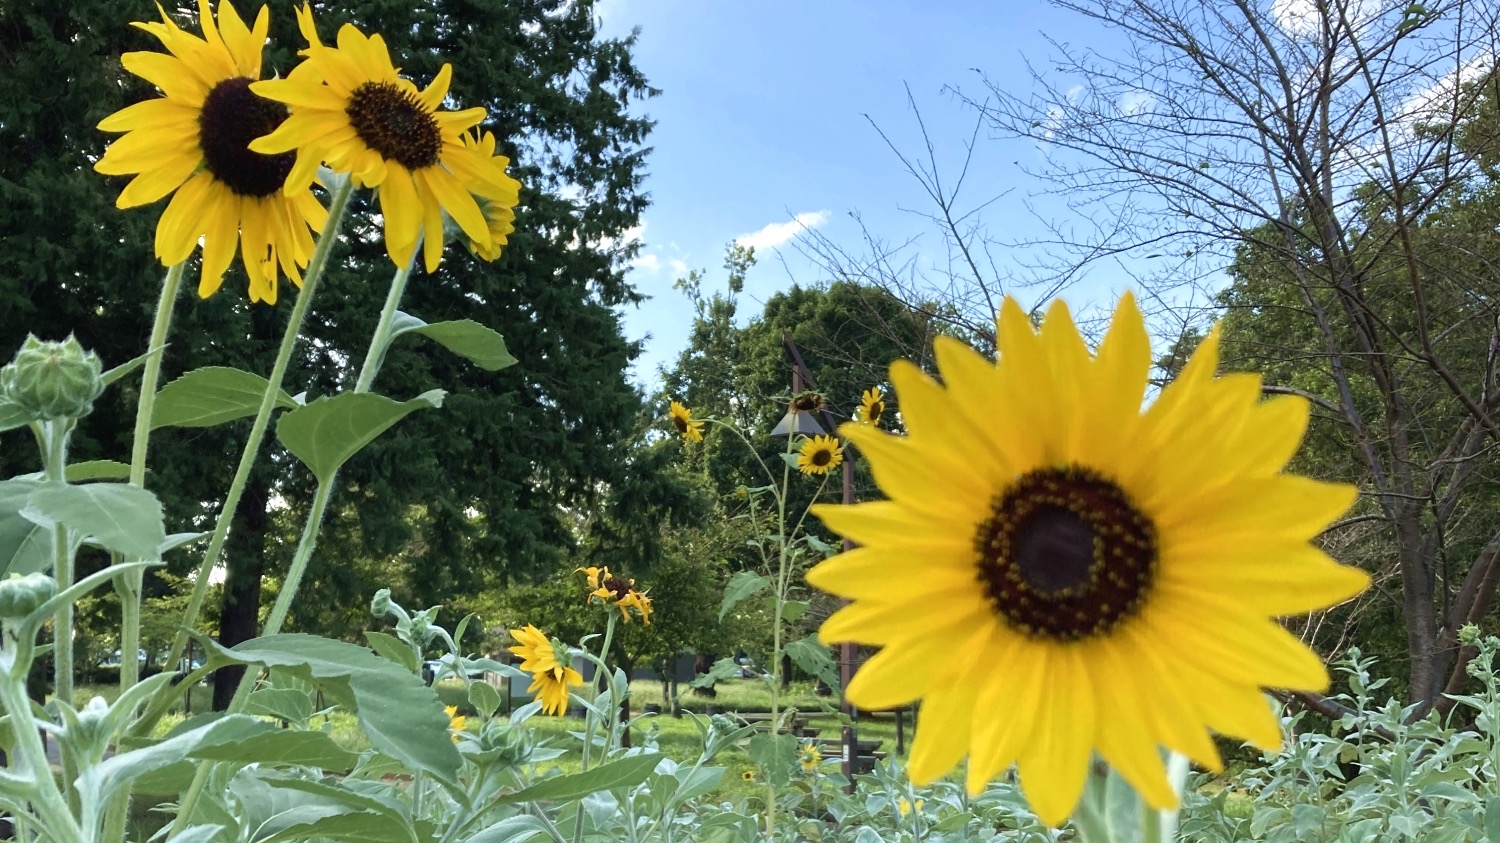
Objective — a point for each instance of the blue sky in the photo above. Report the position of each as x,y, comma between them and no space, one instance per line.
761,123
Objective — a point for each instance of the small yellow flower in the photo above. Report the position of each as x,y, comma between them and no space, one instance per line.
811,757
747,776
595,577
643,605
682,417
535,649
820,455
456,721
872,406
903,807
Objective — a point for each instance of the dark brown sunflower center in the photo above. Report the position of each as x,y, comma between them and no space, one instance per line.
682,424
822,457
1065,555
877,409
617,587
231,118
395,124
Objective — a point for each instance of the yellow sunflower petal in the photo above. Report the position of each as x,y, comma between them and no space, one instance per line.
1054,764
867,572
943,724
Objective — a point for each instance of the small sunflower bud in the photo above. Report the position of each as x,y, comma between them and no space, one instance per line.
53,380
380,604
20,596
1468,634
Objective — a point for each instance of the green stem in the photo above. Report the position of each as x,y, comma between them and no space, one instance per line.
55,465
588,730
51,808
375,356
781,563
315,269
133,582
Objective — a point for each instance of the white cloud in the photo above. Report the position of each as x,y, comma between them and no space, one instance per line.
777,233
648,262
1132,103
1300,18
679,267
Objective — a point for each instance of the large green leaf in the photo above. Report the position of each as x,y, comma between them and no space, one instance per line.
516,829
402,717
25,546
81,472
110,775
742,585
812,656
484,347
210,396
327,432
283,746
623,772
118,516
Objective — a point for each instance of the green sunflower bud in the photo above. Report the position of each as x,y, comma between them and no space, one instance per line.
1468,634
53,380
380,604
20,596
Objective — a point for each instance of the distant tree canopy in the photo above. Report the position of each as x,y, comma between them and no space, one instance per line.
477,490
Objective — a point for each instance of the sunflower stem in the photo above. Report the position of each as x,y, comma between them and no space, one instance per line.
315,268
381,340
782,558
588,731
134,580
54,465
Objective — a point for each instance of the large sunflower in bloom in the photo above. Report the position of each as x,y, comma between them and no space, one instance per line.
551,677
195,140
1059,572
351,109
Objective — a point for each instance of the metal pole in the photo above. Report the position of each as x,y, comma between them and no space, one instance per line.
848,657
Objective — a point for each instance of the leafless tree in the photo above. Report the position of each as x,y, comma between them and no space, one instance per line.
1319,146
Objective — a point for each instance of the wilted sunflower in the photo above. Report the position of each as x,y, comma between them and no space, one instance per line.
1058,572
195,140
820,455
872,406
351,110
682,418
551,675
498,206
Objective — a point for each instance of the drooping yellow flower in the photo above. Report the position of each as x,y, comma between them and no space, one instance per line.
551,675
456,721
643,605
595,577
1059,572
552,688
872,406
682,418
195,140
614,591
499,207
351,110
535,649
820,455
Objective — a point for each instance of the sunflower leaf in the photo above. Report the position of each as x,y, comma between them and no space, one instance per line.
484,347
327,432
622,772
212,395
813,657
742,585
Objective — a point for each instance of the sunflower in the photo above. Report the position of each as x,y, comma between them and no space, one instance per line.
904,806
551,674
350,109
820,455
811,757
643,605
456,721
195,140
747,776
872,406
1059,572
682,417
498,206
